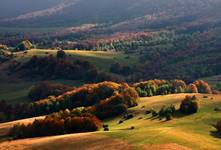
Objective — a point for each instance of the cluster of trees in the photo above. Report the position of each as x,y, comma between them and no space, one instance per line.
105,99
116,104
189,105
203,87
95,95
63,122
163,87
121,69
165,112
55,68
159,87
44,89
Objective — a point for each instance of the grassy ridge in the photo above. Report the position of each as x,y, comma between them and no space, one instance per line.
194,131
101,59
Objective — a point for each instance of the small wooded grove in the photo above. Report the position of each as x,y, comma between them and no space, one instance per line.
105,99
189,105
63,122
102,100
163,87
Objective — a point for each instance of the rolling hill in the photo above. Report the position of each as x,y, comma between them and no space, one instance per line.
69,12
88,65
188,132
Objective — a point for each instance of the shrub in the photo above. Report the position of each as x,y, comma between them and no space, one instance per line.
167,112
105,126
121,121
106,129
61,54
189,105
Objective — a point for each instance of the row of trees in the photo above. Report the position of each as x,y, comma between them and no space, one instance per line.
103,100
189,105
100,97
163,87
63,122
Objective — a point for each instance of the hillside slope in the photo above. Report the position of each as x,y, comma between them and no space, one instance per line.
188,132
69,12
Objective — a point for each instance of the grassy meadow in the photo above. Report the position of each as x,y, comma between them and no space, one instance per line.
101,59
184,132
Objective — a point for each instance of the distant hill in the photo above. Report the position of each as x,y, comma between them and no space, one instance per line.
75,12
13,8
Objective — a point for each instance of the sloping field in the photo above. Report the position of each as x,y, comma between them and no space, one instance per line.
184,132
101,59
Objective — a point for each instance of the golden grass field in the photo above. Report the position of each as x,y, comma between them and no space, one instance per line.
188,132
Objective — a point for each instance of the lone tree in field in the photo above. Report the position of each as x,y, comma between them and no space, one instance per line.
189,105
61,54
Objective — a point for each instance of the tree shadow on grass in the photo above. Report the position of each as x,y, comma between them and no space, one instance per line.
215,134
152,118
